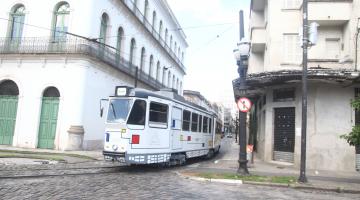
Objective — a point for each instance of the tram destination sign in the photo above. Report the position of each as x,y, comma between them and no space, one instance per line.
244,104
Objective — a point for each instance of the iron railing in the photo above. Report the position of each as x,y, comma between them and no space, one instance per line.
75,45
142,19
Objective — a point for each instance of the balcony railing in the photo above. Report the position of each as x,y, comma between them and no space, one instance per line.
75,45
142,19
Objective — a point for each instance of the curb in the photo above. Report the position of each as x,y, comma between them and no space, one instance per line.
283,185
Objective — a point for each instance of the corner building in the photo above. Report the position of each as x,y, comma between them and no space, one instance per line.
274,80
58,59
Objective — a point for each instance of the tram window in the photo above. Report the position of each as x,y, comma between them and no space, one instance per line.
194,122
186,120
118,110
205,125
138,113
158,113
210,125
200,122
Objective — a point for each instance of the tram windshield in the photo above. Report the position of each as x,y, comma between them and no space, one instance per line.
118,110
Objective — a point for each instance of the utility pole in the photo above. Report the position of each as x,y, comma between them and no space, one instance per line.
302,177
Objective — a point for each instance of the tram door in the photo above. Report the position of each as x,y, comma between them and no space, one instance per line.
8,108
176,128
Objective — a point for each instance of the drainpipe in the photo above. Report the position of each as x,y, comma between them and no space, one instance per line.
356,43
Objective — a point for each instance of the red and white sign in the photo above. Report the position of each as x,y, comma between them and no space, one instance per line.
244,104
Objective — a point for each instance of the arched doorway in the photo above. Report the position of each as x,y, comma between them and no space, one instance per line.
9,93
48,118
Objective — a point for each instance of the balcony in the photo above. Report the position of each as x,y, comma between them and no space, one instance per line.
258,40
76,46
330,12
142,19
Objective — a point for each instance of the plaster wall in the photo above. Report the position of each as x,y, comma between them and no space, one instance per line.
329,116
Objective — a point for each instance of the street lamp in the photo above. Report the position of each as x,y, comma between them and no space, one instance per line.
242,56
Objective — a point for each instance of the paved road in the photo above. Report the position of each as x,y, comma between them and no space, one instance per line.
149,183
145,183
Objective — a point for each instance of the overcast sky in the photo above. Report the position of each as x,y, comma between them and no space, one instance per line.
212,30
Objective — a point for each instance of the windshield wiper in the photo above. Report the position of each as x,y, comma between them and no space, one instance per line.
113,109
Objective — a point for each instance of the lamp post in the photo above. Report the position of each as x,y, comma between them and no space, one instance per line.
242,55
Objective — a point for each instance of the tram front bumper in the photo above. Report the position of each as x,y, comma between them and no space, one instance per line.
114,156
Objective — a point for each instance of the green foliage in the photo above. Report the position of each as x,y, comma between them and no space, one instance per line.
353,138
254,178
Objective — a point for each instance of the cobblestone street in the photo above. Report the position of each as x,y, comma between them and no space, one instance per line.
147,183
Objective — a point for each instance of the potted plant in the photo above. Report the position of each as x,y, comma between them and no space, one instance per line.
353,138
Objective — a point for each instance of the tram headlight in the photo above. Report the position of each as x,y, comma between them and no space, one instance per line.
115,147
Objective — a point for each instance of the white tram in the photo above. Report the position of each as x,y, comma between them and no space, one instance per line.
144,127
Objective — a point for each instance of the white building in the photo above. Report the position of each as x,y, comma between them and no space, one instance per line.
274,77
59,58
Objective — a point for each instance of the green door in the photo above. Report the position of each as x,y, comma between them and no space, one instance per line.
48,122
8,109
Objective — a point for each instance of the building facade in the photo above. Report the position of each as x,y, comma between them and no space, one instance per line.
58,59
274,81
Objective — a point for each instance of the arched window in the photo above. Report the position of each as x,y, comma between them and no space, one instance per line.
178,52
154,20
180,89
104,28
160,28
151,64
166,36
9,88
171,41
158,70
17,16
51,92
146,8
132,52
173,82
177,84
182,57
163,75
175,48
119,42
169,79
142,59
61,21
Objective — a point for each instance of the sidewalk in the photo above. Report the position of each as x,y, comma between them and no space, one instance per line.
319,179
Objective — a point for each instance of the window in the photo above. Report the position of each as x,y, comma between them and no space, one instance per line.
186,120
176,118
171,41
166,35
132,51
158,113
357,112
138,113
160,28
118,110
142,59
61,22
169,79
17,17
103,28
154,21
173,82
119,43
210,125
205,124
291,4
200,123
158,70
332,48
146,8
291,49
284,94
194,122
151,65
164,75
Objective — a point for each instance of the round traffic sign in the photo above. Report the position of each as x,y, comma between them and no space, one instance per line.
244,104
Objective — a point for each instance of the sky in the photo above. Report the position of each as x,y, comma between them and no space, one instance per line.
212,31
